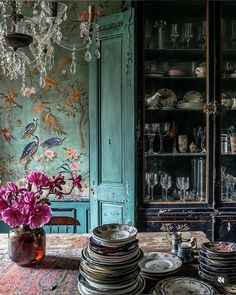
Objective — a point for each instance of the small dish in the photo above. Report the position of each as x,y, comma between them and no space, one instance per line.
167,98
176,73
193,96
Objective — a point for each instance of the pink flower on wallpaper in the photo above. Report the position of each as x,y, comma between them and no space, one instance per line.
75,166
27,91
50,154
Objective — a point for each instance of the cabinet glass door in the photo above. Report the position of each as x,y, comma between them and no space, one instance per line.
228,102
175,95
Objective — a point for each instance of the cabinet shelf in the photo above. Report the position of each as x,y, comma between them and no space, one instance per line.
150,111
153,76
176,155
183,54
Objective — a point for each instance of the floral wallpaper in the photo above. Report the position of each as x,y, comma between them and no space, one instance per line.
43,129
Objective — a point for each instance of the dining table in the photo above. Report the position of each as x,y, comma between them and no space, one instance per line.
59,270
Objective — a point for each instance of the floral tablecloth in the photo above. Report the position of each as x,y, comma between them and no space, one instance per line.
58,273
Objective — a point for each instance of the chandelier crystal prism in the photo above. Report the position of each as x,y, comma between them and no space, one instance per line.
29,40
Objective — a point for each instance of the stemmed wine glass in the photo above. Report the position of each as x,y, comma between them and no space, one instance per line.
202,134
174,34
185,185
159,25
151,133
202,35
165,181
162,130
180,187
147,179
153,179
148,32
187,33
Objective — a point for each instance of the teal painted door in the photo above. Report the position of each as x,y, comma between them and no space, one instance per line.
112,135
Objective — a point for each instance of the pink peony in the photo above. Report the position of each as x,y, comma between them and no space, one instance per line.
50,154
74,166
40,216
27,203
39,179
12,188
13,217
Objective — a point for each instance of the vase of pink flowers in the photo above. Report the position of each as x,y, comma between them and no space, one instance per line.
26,209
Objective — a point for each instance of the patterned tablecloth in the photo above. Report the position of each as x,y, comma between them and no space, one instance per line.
58,273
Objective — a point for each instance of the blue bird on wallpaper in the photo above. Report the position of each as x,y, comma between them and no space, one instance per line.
54,141
29,129
30,149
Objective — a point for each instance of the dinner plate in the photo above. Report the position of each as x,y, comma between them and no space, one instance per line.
114,232
167,99
221,248
159,263
183,285
218,259
193,96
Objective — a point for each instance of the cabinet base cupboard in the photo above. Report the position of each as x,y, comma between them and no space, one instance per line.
162,118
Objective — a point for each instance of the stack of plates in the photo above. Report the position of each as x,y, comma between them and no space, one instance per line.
217,258
156,264
110,262
182,285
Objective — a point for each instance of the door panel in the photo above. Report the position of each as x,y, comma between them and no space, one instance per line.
112,135
111,112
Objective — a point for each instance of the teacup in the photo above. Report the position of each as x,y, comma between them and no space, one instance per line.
226,102
200,71
233,103
185,252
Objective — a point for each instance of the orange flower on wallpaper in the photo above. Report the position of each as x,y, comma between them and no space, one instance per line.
49,82
6,134
10,99
69,102
71,154
76,95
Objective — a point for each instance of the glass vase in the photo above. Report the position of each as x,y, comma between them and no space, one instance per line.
26,246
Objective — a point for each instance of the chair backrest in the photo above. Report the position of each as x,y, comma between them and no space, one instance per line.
66,221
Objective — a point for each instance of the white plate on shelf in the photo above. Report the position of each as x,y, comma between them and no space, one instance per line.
193,96
167,99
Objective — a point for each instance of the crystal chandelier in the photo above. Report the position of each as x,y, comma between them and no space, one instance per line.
28,41
89,32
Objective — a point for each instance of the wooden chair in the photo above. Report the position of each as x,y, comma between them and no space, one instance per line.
66,221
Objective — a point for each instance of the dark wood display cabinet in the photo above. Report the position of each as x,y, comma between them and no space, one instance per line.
162,118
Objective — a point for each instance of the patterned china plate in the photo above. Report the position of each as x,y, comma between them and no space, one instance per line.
223,248
193,96
183,285
167,99
225,268
217,257
229,288
114,232
159,263
190,105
